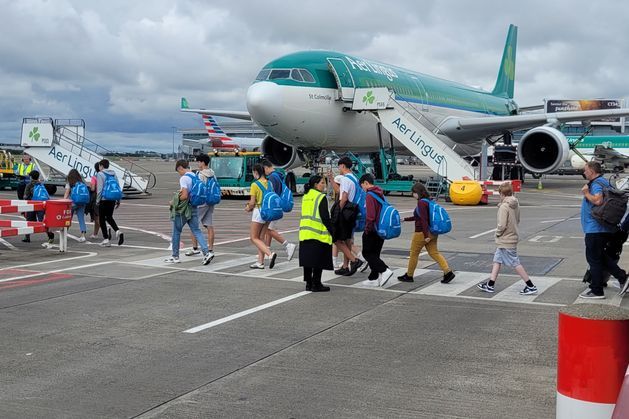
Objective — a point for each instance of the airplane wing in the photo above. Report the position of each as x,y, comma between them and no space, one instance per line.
215,112
604,153
467,128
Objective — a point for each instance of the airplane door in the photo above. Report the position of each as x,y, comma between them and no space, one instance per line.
343,77
423,95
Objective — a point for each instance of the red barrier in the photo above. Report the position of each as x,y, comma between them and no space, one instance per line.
593,355
487,186
58,213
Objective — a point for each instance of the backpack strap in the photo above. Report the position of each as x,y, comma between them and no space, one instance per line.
351,177
261,186
377,198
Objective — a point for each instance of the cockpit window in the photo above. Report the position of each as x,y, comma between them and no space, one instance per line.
279,74
307,76
294,74
263,74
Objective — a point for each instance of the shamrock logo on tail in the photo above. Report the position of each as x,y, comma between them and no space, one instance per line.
34,134
369,98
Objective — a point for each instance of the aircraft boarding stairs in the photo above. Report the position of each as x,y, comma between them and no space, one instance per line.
409,130
62,147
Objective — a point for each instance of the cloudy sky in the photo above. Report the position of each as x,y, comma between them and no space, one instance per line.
123,65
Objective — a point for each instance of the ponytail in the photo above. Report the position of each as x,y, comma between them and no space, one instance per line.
312,182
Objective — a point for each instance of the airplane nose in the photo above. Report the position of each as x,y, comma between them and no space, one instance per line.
264,102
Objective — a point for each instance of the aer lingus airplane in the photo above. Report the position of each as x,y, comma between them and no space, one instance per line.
297,100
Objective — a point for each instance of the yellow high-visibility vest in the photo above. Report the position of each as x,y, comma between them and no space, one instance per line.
24,169
310,226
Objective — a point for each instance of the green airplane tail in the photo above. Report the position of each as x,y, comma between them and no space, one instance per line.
184,103
506,74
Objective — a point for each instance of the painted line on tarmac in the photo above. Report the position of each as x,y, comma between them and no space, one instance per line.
245,313
559,220
475,236
89,254
54,271
247,238
7,244
73,237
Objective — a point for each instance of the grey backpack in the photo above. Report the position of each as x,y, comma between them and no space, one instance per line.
611,212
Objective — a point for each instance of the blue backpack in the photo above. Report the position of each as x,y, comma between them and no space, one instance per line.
197,195
389,224
439,222
213,196
359,200
286,195
271,208
111,189
79,194
40,193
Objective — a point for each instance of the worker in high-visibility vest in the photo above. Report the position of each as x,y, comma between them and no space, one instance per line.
315,238
22,170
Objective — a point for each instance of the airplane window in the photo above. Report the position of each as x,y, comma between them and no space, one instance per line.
307,76
263,74
279,74
294,74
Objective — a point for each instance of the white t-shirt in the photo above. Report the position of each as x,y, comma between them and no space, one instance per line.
186,182
347,185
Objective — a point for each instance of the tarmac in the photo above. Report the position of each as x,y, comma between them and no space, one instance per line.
114,332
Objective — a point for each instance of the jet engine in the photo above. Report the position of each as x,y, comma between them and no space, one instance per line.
281,155
543,149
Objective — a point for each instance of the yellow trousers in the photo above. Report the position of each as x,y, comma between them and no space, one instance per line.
417,244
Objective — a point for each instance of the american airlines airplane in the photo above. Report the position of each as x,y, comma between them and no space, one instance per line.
300,101
217,137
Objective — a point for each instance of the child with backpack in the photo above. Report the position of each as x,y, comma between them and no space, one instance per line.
93,206
79,193
36,191
206,209
183,210
259,225
423,237
108,198
507,242
372,242
279,187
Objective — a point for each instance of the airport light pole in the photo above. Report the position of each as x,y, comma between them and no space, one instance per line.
173,128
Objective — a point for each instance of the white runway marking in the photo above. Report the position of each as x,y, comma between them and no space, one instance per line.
560,220
475,236
245,313
53,271
7,244
89,254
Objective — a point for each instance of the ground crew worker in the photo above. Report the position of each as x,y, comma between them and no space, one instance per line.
22,171
315,239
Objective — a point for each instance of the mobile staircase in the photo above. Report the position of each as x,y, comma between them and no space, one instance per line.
62,146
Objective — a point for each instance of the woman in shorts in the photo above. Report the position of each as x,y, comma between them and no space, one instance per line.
507,242
259,227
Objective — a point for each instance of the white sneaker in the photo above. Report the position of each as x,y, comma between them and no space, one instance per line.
384,277
207,258
290,250
82,239
257,265
105,243
365,265
192,252
368,283
172,259
93,236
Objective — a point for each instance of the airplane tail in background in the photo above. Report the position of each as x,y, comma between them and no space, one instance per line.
506,75
184,103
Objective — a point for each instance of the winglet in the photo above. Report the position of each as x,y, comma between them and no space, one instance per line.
506,75
184,103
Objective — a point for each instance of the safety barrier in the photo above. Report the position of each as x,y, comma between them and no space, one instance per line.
57,215
490,188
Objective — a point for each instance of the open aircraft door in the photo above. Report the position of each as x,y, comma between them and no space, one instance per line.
343,77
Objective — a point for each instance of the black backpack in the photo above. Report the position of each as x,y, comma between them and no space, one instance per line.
611,212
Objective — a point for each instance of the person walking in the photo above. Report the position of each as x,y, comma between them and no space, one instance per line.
205,211
277,183
93,206
507,237
74,182
36,215
182,213
597,235
106,206
423,238
259,227
345,215
315,239
372,242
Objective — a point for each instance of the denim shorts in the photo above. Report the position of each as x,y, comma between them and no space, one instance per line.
507,257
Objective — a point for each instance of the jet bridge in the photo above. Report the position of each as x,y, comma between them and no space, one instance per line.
62,146
410,131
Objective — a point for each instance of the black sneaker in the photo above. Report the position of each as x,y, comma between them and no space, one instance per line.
405,278
26,240
341,271
589,294
448,277
353,266
272,262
